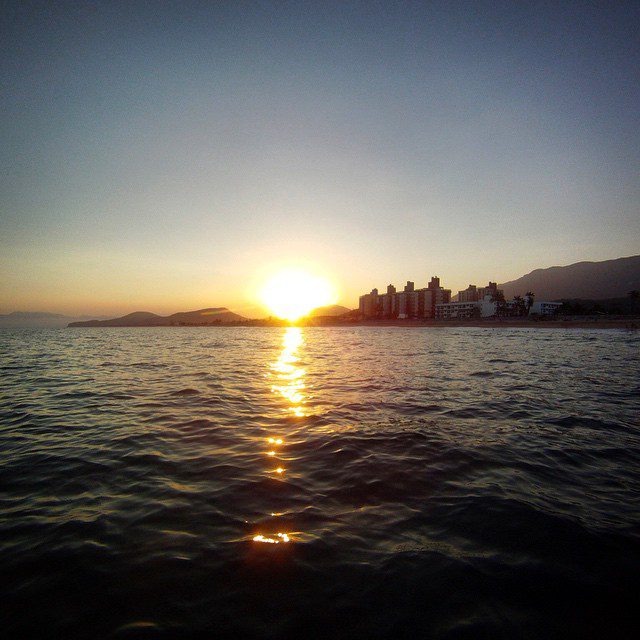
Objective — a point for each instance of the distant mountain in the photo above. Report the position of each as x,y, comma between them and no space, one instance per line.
37,320
213,316
331,310
205,316
590,280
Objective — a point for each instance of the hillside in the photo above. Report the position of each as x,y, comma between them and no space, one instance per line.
212,316
589,280
331,310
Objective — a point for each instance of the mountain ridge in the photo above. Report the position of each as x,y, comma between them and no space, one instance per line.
593,280
200,317
329,310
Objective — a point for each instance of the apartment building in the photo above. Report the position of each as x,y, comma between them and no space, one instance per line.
405,304
475,294
369,304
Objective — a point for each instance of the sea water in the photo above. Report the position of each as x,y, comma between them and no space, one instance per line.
320,482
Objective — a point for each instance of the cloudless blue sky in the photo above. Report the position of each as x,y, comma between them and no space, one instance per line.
165,156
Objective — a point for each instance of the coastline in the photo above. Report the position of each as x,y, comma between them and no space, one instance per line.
511,323
630,323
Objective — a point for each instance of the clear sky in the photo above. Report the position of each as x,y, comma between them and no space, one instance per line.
166,156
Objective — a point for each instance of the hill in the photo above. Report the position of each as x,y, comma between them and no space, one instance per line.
587,280
330,310
202,317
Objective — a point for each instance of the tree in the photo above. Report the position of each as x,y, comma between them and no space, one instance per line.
501,304
520,305
529,299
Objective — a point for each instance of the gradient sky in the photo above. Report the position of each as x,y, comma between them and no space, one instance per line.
166,156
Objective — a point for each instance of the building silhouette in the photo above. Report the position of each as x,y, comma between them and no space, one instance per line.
434,302
369,304
476,294
405,304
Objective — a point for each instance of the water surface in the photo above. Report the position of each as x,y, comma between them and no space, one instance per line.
365,482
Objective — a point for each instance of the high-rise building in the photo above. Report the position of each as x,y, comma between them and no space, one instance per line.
477,294
490,290
409,303
387,303
470,294
429,297
369,304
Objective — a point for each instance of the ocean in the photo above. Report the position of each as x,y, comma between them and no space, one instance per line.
367,482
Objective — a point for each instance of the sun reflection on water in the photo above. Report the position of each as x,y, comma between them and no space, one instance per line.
279,537
288,382
289,377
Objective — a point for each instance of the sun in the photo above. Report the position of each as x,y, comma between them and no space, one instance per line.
292,293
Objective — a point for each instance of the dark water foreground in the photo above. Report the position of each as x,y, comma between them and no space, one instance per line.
338,483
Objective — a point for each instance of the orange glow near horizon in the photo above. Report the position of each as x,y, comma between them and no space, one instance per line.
293,293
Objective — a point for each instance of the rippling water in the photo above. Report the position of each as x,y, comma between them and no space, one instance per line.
344,483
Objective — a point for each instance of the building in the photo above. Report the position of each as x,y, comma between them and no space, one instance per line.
369,304
470,294
406,304
490,290
434,301
433,295
485,308
476,294
488,307
457,310
387,303
544,308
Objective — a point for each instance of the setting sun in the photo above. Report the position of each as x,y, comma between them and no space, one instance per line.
292,294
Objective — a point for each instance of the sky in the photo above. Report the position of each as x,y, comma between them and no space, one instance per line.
170,156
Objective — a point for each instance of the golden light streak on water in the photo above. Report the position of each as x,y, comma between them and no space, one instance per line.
289,384
290,377
280,537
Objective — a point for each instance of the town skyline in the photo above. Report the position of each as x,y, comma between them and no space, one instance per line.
623,273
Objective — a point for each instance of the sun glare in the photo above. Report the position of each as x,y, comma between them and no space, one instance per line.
292,294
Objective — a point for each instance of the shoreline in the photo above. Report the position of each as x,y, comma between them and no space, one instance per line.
528,325
630,323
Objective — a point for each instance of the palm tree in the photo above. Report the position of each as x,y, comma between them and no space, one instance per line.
529,298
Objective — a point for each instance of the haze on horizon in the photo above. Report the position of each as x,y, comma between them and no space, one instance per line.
171,157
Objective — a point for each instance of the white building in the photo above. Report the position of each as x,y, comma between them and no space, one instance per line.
451,310
485,308
544,308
